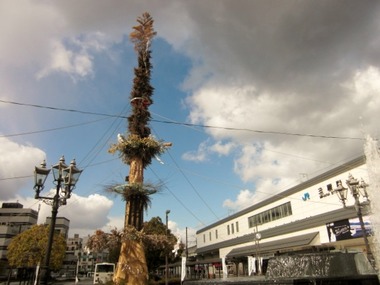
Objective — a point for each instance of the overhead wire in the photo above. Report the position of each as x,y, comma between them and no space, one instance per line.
99,145
192,187
52,129
188,124
166,121
178,200
113,126
94,151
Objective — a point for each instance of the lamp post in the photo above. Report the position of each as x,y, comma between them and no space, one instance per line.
65,178
357,189
166,255
257,243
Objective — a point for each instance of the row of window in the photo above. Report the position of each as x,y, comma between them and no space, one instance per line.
267,216
231,228
13,214
270,215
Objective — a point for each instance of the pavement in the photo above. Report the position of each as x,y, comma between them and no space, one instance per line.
71,281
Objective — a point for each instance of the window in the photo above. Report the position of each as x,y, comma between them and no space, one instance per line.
209,236
270,215
232,229
216,234
237,227
228,229
204,238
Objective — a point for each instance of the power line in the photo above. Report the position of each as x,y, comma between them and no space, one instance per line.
49,130
179,200
187,124
59,109
16,177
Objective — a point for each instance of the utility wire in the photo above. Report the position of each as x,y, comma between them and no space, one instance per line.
58,109
49,130
191,185
188,124
113,126
179,200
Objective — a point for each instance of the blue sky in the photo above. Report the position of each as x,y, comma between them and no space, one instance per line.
286,89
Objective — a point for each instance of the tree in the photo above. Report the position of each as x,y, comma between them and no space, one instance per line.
153,237
29,248
155,254
137,150
101,241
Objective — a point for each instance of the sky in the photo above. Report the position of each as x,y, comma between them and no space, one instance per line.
255,96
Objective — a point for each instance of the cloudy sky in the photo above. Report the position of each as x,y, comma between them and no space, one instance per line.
256,96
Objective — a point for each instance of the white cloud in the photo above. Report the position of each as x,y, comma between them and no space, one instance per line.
182,232
222,148
205,149
244,199
365,87
197,156
299,68
26,27
76,64
113,222
17,162
86,214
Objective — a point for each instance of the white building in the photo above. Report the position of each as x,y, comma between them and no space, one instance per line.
303,219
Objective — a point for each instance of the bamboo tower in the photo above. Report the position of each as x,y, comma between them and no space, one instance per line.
137,149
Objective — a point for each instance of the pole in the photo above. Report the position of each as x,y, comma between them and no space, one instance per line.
366,243
54,213
187,249
166,255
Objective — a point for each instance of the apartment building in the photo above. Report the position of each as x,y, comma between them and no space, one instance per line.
14,219
62,225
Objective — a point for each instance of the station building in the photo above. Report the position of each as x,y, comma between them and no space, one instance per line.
307,218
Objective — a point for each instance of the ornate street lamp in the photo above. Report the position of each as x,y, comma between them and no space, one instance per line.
342,193
362,187
357,189
65,178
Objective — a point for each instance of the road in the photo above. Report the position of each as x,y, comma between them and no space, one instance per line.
82,281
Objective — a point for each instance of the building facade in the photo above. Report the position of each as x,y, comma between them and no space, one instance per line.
14,219
306,218
62,225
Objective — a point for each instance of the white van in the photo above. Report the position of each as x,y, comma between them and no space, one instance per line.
103,272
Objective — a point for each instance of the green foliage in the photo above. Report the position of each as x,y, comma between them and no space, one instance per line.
100,241
153,236
29,248
157,243
155,226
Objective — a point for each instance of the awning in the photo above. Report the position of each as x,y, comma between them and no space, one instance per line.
280,244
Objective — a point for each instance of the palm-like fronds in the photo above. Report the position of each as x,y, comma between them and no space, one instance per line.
134,146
